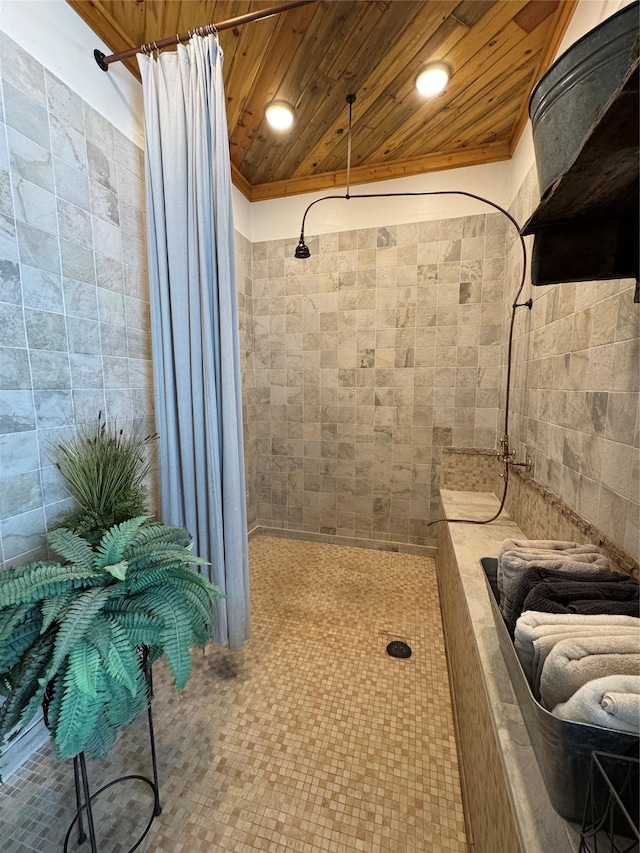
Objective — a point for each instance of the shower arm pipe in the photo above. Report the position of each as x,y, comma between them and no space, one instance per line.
105,61
514,306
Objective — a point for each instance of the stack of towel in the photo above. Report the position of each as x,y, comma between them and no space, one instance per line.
583,668
533,627
550,591
576,630
517,555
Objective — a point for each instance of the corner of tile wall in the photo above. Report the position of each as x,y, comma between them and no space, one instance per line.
575,385
74,302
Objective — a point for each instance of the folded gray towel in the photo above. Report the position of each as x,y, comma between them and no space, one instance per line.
546,545
543,646
612,702
571,663
512,563
532,625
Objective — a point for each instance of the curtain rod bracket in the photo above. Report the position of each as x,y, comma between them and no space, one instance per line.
98,55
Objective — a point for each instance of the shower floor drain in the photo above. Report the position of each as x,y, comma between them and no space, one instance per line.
398,649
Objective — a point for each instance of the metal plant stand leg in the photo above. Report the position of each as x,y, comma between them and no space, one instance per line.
157,808
82,835
84,797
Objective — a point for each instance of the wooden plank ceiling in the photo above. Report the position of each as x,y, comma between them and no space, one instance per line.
314,56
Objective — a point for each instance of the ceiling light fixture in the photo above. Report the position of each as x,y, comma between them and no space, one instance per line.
433,79
279,115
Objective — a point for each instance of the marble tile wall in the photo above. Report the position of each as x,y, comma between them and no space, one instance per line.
74,313
575,393
370,357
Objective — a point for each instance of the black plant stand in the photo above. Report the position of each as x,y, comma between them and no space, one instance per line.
84,797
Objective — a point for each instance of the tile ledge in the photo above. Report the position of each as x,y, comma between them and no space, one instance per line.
538,823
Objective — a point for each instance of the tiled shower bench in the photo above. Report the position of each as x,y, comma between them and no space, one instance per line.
507,808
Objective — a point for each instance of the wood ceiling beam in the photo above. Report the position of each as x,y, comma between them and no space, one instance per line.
240,182
381,172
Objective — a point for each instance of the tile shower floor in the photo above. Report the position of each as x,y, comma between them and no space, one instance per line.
311,739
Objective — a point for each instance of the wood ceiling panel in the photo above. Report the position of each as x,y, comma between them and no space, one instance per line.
389,113
419,37
489,78
476,129
315,55
242,70
495,72
534,13
320,106
303,88
499,79
287,37
399,112
132,17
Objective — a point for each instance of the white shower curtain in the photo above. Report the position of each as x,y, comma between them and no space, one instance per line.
194,317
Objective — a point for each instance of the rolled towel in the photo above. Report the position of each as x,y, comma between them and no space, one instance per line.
612,702
625,707
619,597
533,624
543,646
571,663
514,563
535,574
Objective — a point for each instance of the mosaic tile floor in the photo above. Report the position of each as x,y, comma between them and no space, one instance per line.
311,739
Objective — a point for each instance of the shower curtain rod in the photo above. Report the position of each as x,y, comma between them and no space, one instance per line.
105,61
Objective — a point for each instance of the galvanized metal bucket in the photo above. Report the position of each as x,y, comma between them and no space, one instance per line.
568,98
563,748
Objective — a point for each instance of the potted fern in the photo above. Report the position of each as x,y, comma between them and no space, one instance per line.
72,632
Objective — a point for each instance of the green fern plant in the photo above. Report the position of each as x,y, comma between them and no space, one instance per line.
71,634
105,468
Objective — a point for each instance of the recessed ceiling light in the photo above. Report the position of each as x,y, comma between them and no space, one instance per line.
279,115
433,79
